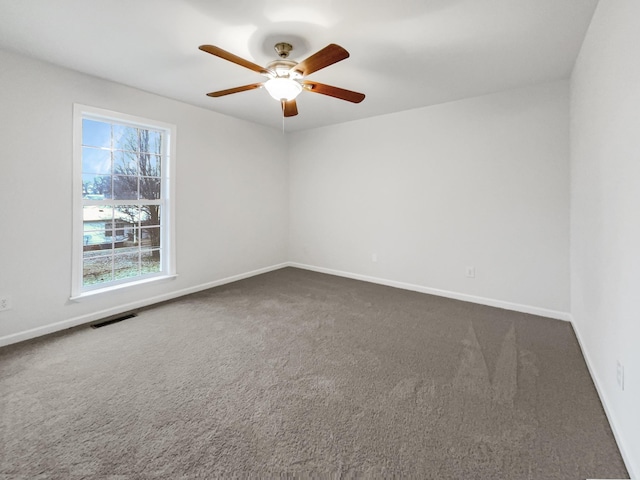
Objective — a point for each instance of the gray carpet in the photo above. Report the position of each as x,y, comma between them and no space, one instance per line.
299,374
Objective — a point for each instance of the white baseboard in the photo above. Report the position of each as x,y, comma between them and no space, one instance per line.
542,312
73,322
91,317
628,461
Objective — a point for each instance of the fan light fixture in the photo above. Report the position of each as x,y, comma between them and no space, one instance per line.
283,88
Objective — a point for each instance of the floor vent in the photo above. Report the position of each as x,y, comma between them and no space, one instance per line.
113,320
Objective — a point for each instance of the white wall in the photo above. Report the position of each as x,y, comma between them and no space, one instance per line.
231,209
481,182
605,211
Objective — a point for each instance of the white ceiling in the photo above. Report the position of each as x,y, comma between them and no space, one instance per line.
404,53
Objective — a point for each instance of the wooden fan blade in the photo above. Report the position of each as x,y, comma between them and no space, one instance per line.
229,91
218,52
327,56
289,108
335,92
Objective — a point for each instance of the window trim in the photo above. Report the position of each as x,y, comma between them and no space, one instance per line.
81,112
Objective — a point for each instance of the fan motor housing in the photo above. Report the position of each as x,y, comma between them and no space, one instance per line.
282,68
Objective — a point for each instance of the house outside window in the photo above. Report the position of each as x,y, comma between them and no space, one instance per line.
123,208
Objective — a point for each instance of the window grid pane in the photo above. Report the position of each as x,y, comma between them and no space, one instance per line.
97,269
121,237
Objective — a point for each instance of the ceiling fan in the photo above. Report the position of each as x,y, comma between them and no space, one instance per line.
288,78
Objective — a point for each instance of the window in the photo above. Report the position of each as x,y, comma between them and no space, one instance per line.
123,229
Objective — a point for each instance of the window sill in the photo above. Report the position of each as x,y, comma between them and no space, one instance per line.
123,286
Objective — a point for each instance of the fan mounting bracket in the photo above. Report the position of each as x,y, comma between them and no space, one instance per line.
283,49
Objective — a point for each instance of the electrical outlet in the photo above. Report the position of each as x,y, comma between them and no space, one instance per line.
5,303
471,272
374,257
620,376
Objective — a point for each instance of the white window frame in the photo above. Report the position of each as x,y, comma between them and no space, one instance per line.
167,202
